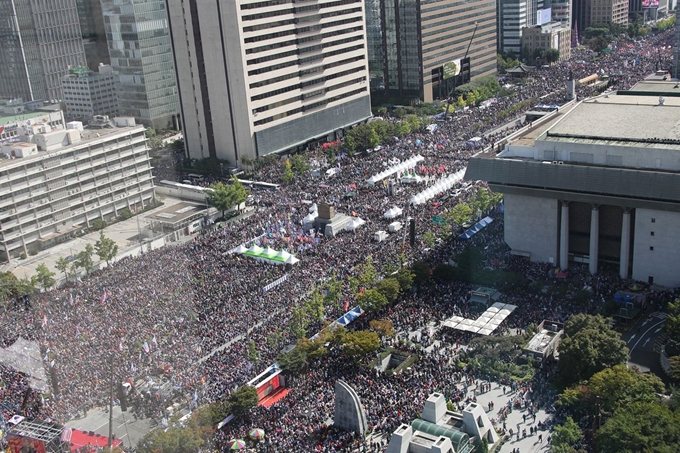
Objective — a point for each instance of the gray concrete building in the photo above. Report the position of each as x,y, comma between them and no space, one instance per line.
138,36
261,77
596,183
88,93
40,40
55,181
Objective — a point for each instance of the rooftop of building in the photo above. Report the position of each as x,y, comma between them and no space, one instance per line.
178,212
548,27
622,116
86,136
8,119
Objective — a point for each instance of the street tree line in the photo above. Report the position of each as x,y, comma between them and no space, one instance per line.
11,287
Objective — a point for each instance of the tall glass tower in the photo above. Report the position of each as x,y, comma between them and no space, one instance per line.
40,40
141,53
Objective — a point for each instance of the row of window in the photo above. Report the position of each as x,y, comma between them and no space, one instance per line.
306,72
308,107
308,8
302,85
303,61
298,31
303,50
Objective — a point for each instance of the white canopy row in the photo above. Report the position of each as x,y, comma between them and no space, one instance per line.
393,212
440,186
402,166
487,321
266,254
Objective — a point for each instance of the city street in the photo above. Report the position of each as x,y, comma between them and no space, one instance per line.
641,339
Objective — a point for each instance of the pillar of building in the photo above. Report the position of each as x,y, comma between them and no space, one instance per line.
564,236
594,238
625,244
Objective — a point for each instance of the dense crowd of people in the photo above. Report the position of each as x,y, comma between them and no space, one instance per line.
169,312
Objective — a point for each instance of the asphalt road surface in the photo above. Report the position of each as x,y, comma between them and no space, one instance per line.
642,341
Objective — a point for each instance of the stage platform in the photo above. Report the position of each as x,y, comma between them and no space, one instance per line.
270,400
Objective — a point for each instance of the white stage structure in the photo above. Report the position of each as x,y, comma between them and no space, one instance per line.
486,323
403,166
440,186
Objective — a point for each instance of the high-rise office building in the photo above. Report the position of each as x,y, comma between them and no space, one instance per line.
411,41
94,34
589,12
40,40
138,37
513,16
260,77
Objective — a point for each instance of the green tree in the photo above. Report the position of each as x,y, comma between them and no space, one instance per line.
598,43
611,389
288,174
552,56
98,224
365,275
300,164
27,285
253,353
389,287
471,99
640,427
365,136
460,214
672,325
9,285
429,239
372,300
299,322
315,304
588,346
106,248
405,278
45,277
565,435
421,272
400,112
292,362
174,440
62,266
84,258
239,194
124,214
243,400
154,140
359,343
220,197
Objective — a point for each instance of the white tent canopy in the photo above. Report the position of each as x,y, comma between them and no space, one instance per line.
440,186
292,260
393,212
355,223
309,218
239,249
400,167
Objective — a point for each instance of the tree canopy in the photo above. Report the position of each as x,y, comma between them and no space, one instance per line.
106,248
589,345
640,427
612,388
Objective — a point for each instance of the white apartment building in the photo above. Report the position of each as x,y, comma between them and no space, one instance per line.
260,77
88,93
55,181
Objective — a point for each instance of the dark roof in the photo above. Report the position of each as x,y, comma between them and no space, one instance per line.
520,69
607,181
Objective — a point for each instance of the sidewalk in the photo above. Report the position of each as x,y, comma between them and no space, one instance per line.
125,234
